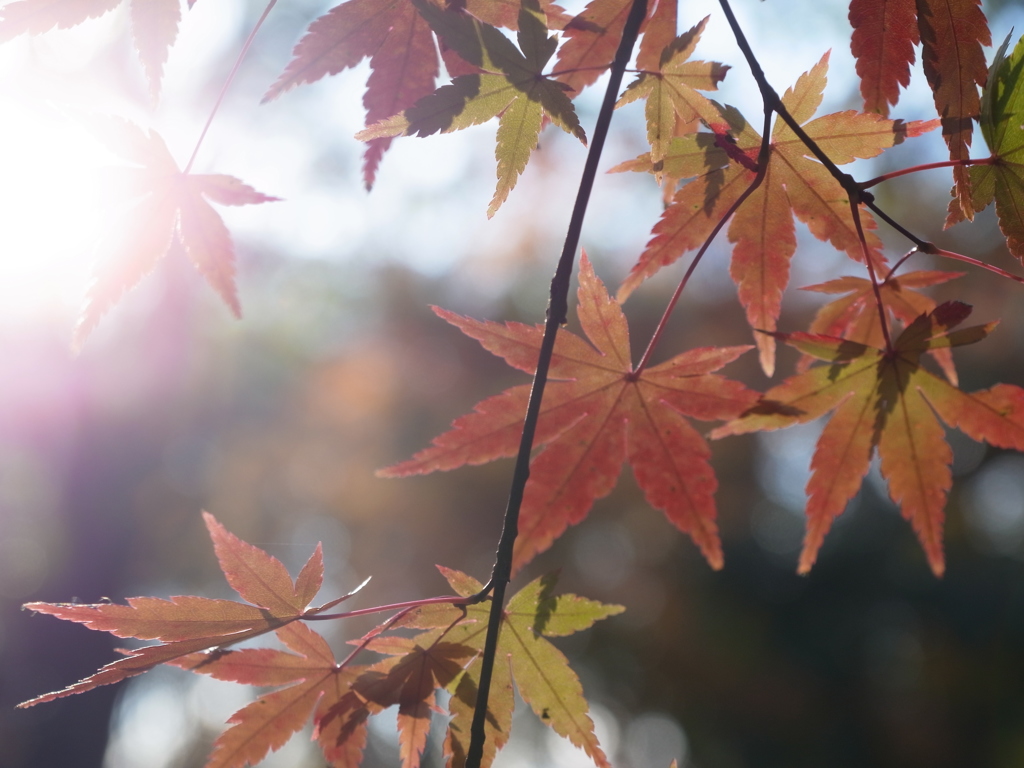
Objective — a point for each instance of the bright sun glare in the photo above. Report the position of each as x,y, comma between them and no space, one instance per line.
50,214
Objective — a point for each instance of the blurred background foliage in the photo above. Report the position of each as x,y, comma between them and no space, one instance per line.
277,423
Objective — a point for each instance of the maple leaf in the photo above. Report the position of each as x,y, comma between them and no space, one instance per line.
686,157
170,204
855,316
886,400
658,32
884,35
510,85
187,624
342,695
505,13
600,414
541,672
952,35
1003,180
154,25
592,37
399,44
794,183
316,685
669,89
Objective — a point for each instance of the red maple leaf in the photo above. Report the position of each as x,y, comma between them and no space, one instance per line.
952,35
599,414
169,205
884,35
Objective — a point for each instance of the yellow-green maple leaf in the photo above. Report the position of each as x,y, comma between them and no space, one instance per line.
510,84
671,92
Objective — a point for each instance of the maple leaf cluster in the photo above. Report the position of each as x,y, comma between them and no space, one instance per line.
866,358
442,652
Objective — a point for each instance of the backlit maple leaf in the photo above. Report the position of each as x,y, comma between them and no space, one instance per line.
187,624
794,183
886,400
884,35
855,316
154,25
591,38
342,695
315,685
399,44
597,416
510,84
170,204
669,90
952,35
1003,181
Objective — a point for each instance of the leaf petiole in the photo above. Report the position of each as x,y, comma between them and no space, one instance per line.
404,606
926,167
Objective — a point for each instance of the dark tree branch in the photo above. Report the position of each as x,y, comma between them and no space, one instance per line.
558,309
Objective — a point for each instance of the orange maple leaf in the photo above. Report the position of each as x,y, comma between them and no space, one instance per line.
952,35
170,204
409,678
188,624
794,183
886,400
592,36
600,414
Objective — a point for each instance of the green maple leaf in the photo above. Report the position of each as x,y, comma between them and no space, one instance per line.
510,84
541,672
1002,112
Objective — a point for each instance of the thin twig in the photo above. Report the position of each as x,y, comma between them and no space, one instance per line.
227,83
898,264
936,251
558,309
921,244
855,212
926,167
450,600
